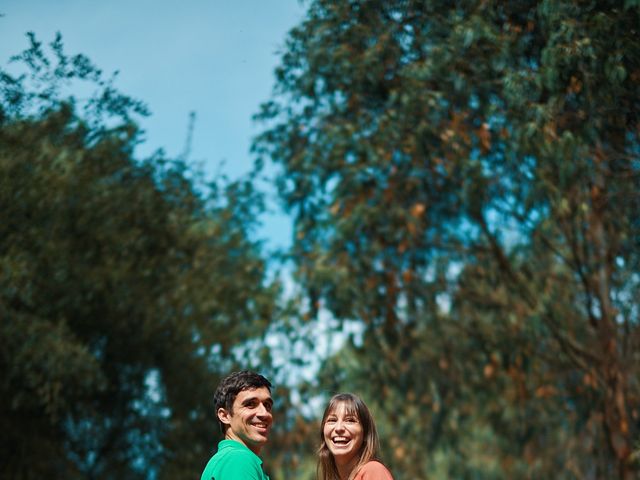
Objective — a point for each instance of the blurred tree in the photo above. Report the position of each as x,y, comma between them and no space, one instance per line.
464,180
125,285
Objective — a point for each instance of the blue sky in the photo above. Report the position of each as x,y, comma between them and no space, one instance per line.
214,57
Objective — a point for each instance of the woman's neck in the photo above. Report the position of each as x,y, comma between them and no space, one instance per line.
345,469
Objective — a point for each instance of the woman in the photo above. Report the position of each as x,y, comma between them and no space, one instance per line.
349,448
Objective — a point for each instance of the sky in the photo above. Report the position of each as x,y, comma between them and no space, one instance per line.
212,57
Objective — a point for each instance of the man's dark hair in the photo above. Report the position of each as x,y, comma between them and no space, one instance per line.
234,383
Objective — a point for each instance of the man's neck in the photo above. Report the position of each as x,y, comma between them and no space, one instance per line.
254,448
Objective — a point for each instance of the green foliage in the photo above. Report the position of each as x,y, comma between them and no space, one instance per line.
463,178
125,285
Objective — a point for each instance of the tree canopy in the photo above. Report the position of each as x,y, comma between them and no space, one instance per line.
125,284
464,180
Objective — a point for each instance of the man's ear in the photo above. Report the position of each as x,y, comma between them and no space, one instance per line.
224,416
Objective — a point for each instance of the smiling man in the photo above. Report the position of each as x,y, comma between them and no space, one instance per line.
243,406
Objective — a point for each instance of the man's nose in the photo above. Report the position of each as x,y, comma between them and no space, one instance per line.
263,410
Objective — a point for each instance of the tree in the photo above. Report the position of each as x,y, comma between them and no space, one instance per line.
125,285
463,178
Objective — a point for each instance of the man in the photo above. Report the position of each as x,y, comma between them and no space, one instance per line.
243,406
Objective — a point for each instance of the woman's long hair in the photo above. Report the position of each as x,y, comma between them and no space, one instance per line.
370,449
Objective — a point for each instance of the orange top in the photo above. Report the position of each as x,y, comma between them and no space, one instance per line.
373,471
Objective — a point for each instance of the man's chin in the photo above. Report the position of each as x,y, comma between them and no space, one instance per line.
262,433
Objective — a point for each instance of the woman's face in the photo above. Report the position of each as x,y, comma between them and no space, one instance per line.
343,434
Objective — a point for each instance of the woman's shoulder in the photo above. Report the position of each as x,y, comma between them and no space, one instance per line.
373,470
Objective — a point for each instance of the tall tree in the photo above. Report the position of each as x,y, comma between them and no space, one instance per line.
464,180
125,285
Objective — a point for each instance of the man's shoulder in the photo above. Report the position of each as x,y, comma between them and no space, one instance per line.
233,462
239,452
235,448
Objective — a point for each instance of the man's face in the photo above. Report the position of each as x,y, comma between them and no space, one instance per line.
250,420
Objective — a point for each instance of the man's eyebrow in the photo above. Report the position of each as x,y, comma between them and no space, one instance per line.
249,400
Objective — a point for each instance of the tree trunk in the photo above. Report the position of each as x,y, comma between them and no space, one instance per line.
611,365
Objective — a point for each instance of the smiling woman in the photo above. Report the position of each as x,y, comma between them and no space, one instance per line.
349,448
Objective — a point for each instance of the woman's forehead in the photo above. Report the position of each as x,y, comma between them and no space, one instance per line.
343,407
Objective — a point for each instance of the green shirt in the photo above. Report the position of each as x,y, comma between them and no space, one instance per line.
234,461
